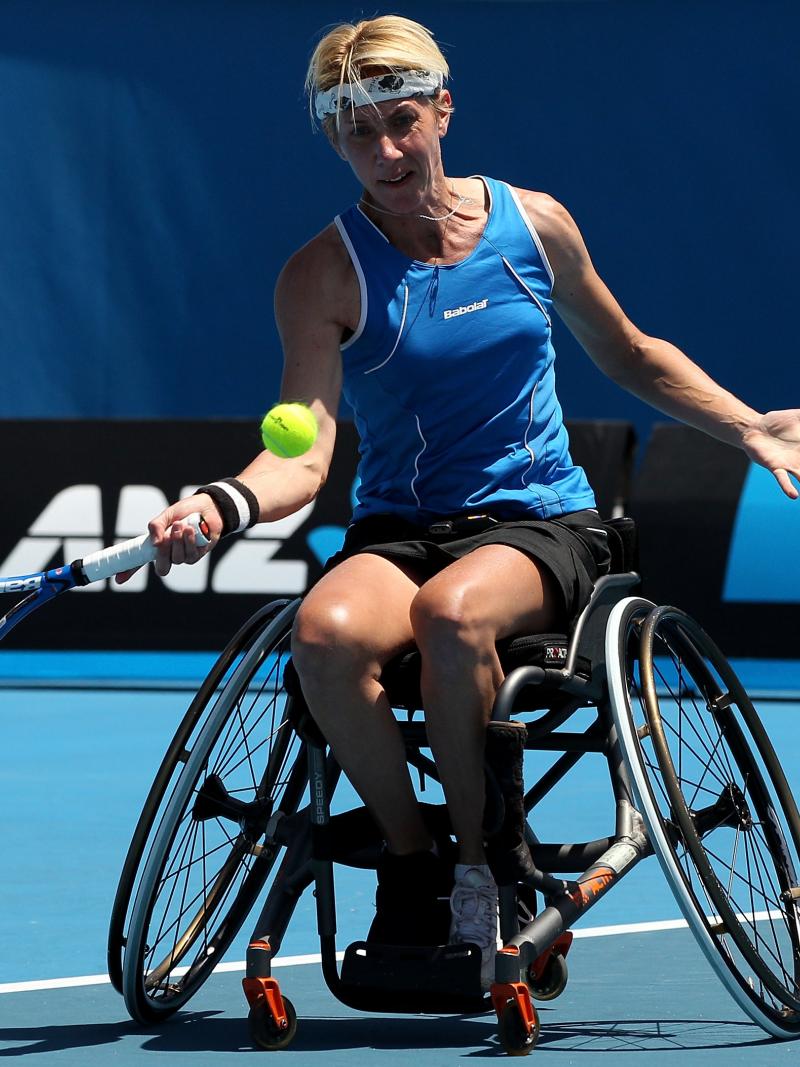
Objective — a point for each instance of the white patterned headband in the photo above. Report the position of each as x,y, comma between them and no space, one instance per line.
402,85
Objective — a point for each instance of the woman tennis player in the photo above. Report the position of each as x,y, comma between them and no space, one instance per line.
429,304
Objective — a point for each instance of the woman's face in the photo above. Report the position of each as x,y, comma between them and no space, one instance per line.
393,149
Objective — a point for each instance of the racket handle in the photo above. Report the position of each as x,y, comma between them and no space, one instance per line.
134,553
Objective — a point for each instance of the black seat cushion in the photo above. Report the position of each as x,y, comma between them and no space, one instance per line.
400,676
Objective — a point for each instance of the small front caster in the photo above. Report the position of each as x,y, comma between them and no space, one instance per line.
548,974
265,1032
272,1018
551,982
517,1021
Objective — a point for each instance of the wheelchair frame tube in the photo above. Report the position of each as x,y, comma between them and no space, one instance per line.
594,739
291,879
321,863
323,774
563,911
629,846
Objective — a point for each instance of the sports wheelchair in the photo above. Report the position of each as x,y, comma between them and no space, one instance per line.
241,805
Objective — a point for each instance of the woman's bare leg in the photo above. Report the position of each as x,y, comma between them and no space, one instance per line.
457,617
352,623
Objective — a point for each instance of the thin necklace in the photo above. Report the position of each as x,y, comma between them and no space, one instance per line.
428,218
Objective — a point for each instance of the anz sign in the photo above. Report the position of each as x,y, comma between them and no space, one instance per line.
71,526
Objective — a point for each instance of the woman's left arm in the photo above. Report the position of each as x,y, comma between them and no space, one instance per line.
650,368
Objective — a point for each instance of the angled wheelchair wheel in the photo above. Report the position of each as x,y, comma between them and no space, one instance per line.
167,775
719,811
212,849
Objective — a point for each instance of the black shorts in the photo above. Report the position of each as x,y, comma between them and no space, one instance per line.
573,548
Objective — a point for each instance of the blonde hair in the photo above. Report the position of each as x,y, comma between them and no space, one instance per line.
389,43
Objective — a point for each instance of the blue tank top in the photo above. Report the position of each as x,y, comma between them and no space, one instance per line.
450,377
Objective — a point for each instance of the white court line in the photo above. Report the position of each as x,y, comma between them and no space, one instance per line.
628,928
297,961
103,979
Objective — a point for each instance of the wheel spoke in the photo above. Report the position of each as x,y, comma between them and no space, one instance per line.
160,932
718,773
205,867
721,816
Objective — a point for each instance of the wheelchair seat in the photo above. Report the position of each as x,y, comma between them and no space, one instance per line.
401,675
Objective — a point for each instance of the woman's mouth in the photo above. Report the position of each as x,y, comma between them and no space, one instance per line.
398,180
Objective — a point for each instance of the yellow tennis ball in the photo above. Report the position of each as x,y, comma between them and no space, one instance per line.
289,430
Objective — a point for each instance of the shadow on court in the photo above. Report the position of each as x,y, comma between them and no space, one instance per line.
649,1035
206,1032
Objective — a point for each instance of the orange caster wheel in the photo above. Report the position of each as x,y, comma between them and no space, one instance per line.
272,1018
265,1032
547,976
517,1021
551,982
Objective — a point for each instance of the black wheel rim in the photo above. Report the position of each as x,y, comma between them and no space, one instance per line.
215,865
724,804
166,778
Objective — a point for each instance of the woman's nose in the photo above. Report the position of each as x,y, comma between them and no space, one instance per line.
386,148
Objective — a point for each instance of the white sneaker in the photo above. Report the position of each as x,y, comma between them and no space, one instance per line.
473,903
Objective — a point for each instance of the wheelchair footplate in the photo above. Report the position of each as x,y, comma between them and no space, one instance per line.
438,979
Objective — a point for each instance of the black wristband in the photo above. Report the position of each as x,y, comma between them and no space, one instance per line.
236,504
250,499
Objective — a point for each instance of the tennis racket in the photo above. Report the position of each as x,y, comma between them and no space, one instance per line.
46,585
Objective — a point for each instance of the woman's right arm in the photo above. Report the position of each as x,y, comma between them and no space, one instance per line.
314,304
308,303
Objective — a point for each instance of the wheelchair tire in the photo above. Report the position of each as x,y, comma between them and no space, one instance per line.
210,855
718,809
166,777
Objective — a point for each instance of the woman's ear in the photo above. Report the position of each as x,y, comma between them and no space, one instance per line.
443,118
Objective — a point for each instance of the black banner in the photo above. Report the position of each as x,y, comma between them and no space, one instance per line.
716,535
718,539
75,486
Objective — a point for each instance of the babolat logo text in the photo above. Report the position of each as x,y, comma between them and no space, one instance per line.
478,305
20,585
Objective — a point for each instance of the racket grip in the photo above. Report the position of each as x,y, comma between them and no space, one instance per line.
134,553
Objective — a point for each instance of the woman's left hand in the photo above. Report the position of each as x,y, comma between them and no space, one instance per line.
774,442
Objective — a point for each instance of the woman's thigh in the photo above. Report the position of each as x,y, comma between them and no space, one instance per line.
495,588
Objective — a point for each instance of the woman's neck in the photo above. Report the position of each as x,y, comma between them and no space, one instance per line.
438,230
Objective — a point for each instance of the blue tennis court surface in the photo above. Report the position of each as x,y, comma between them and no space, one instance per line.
77,761
775,679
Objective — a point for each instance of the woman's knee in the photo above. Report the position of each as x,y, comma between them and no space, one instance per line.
321,629
448,616
328,642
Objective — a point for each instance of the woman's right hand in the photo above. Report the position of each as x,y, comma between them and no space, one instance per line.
175,539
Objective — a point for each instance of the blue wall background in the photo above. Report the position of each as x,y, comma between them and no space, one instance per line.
157,166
